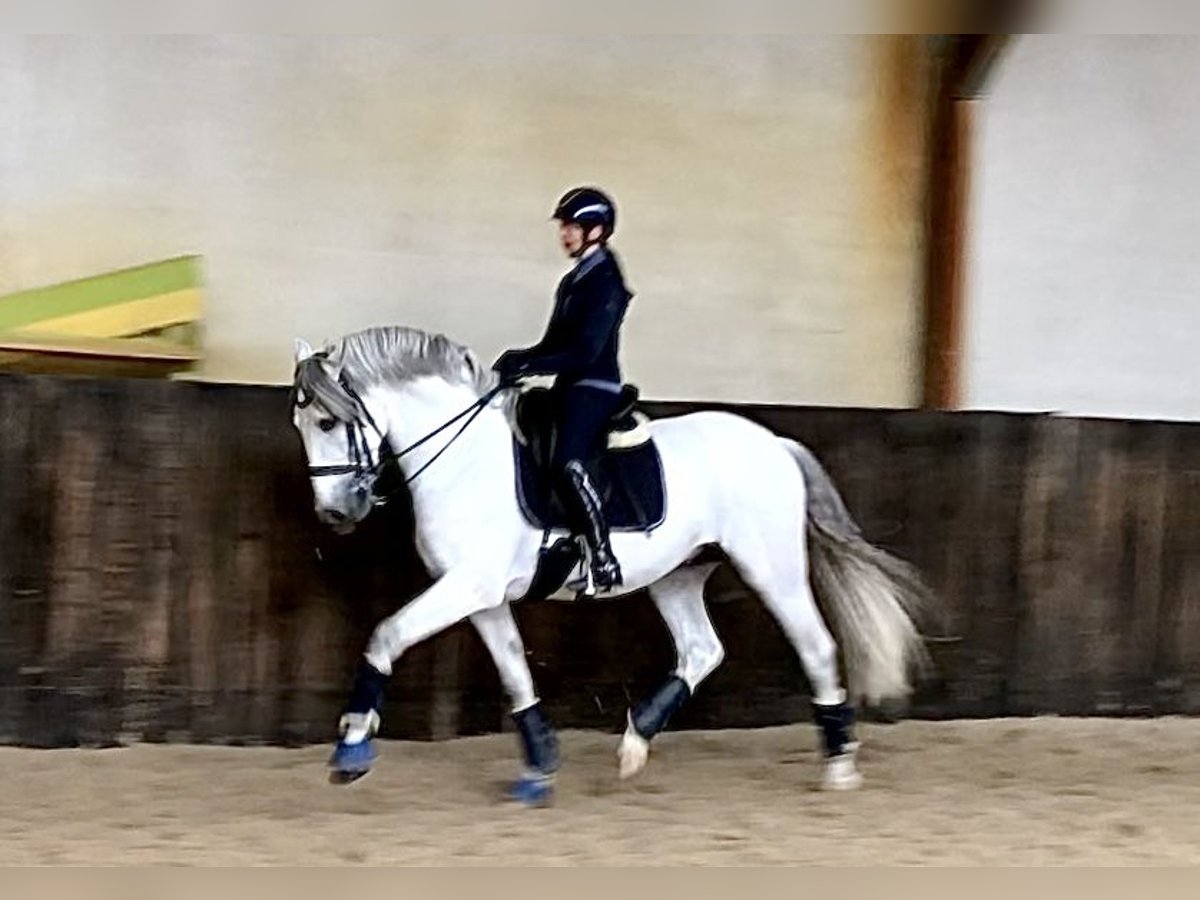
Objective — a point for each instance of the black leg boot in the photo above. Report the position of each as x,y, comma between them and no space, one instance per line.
605,570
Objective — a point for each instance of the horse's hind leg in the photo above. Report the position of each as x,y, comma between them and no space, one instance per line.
776,567
680,601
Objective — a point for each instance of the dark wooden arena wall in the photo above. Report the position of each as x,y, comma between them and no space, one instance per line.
162,577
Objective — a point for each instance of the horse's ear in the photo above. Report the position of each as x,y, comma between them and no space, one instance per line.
303,350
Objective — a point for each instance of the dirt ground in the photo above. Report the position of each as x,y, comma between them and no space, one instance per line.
1009,792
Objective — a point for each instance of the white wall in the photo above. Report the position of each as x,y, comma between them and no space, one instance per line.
1084,287
769,189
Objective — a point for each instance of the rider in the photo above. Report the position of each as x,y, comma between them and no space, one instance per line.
580,348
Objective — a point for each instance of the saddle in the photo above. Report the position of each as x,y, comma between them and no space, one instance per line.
626,471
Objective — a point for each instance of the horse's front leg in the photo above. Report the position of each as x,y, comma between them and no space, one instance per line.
453,597
539,744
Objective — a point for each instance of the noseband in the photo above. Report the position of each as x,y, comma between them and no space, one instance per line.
360,461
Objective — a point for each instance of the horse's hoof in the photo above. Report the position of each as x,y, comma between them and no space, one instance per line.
343,778
351,762
632,754
841,774
532,790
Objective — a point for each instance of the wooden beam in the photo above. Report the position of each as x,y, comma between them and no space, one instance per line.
978,64
41,354
962,74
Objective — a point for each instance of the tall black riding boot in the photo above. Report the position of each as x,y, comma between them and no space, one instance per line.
605,570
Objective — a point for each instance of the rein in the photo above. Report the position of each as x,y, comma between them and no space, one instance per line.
362,465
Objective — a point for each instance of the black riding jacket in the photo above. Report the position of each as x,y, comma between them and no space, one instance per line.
581,339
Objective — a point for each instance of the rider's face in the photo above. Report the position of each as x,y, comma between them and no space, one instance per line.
571,236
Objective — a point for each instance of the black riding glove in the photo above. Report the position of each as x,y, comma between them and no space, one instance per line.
511,366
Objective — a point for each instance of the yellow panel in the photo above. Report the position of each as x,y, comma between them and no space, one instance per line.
76,345
124,319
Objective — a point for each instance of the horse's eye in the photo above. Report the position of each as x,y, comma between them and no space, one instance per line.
327,424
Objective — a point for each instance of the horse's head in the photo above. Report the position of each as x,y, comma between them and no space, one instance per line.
343,442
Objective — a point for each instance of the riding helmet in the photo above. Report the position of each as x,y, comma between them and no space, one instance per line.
587,206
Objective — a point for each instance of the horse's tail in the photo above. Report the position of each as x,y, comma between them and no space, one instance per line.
872,596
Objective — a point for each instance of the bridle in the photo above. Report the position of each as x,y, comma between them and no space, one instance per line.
360,462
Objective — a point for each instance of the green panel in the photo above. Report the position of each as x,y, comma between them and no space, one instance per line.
98,291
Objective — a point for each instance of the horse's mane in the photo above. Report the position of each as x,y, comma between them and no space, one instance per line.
387,354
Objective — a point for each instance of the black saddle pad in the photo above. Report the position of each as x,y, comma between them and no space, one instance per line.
629,479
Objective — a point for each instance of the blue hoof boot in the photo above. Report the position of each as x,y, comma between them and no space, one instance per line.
532,790
351,762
